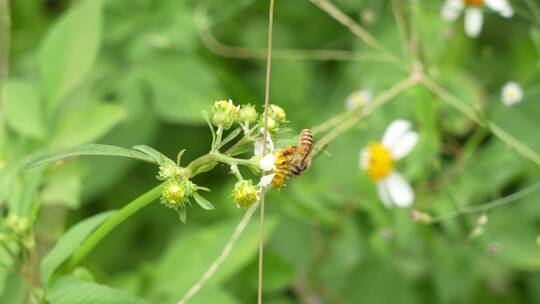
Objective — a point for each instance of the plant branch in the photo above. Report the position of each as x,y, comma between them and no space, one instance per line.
496,130
379,101
490,205
232,51
355,28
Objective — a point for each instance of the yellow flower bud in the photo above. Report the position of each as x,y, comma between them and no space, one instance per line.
176,194
224,113
247,113
245,194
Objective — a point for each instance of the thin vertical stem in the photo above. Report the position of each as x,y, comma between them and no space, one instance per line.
265,146
5,35
222,256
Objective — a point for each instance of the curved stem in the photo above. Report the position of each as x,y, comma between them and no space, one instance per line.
490,205
111,223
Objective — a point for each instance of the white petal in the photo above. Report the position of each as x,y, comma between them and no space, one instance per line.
269,141
511,93
364,158
399,190
358,99
267,162
501,6
394,131
258,148
383,194
451,9
404,145
266,180
473,21
259,145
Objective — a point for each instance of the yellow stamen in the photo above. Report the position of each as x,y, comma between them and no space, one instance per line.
474,2
380,162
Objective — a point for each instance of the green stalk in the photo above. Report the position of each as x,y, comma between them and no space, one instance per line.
111,223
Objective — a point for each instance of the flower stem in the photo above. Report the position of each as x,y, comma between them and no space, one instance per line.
111,223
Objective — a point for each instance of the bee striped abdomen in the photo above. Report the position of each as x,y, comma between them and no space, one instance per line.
306,143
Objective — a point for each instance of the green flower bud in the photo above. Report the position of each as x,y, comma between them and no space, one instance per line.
171,170
19,225
420,217
272,124
245,194
224,113
176,193
277,113
247,113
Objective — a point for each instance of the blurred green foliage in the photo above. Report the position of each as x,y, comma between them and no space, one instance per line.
137,72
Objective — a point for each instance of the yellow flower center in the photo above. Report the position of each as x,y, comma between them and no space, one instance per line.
474,2
380,162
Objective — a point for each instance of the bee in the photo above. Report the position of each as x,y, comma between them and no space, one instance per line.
293,160
302,156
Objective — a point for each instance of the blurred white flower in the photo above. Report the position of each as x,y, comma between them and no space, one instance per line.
267,162
378,162
511,93
358,99
482,220
474,17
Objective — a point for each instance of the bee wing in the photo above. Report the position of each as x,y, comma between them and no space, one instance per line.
319,150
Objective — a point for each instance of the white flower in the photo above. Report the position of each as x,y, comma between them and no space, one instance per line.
511,93
473,12
378,162
267,162
358,99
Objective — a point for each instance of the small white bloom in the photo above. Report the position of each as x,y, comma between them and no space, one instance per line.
482,220
378,162
358,99
473,12
511,93
266,180
267,162
258,146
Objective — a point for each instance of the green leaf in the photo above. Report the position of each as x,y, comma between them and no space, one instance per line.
182,214
63,187
535,37
70,50
206,117
68,243
69,290
90,149
23,110
179,156
15,290
204,203
182,88
231,136
7,178
25,192
87,124
211,295
159,157
189,256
